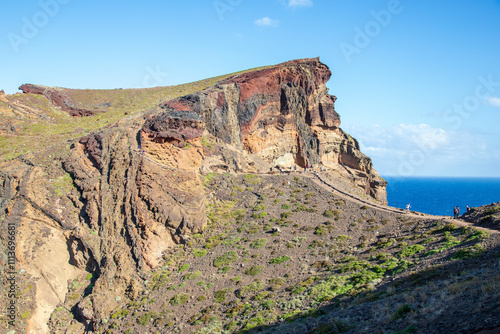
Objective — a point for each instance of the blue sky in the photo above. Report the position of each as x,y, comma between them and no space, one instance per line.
418,82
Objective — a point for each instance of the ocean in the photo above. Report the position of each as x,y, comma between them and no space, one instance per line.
439,195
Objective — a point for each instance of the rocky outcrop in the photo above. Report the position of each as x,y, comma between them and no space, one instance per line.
485,216
58,99
282,115
134,190
2,97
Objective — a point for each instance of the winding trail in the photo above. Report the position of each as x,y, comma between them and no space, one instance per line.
323,182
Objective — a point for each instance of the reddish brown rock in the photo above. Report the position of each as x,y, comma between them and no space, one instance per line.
282,114
58,99
174,127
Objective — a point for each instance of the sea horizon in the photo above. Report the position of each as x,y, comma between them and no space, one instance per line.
438,195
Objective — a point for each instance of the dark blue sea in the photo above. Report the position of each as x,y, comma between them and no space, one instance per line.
439,195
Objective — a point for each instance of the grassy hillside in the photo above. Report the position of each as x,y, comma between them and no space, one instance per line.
39,124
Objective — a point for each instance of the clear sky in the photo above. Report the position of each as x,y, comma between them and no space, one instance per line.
418,82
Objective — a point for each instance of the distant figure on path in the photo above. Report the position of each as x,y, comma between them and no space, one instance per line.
408,206
456,212
467,208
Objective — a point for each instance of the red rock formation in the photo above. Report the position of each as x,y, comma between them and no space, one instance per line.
175,127
58,99
282,114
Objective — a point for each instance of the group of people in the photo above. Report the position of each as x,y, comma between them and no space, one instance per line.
456,211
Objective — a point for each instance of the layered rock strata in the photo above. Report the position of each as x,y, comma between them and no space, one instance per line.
117,200
282,115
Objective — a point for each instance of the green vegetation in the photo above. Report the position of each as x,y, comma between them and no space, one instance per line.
469,252
331,213
193,275
258,243
250,289
410,250
220,296
145,319
179,299
200,253
492,210
280,259
226,259
254,270
184,267
401,312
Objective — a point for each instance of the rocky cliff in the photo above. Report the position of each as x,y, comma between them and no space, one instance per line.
114,202
282,115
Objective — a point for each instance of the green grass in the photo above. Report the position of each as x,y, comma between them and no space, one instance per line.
221,295
179,299
184,267
191,276
250,289
280,259
254,270
258,243
200,253
331,213
469,252
226,259
410,250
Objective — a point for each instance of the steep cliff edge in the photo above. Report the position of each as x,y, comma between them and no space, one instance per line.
283,115
114,202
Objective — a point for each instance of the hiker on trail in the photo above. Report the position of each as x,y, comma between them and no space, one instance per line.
408,207
467,208
456,212
295,168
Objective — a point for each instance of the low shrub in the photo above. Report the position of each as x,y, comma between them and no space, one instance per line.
226,259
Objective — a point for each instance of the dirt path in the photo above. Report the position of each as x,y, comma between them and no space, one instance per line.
323,182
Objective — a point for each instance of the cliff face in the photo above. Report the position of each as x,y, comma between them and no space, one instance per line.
283,115
115,201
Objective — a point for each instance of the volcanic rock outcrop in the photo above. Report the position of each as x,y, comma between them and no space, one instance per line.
117,200
282,114
58,99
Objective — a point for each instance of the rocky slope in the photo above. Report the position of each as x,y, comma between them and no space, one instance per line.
283,115
112,202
